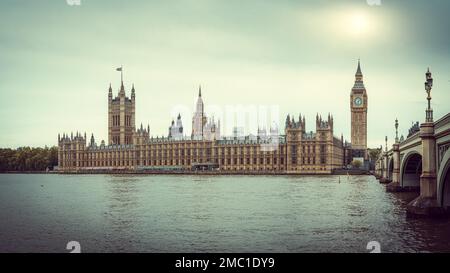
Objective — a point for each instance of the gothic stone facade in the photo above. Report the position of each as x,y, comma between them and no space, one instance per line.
297,152
294,152
358,106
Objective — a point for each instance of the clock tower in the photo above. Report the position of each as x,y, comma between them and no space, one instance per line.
358,107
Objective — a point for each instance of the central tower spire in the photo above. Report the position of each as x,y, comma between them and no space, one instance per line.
199,119
358,74
359,84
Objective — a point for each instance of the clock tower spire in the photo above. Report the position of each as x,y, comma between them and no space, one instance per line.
358,107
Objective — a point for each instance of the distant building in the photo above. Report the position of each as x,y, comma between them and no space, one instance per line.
238,132
202,129
211,130
176,129
273,132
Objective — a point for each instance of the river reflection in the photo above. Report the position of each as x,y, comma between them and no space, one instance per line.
123,215
158,213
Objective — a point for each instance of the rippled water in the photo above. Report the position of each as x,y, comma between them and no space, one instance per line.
168,213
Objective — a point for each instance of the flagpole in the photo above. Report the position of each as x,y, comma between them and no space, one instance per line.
121,73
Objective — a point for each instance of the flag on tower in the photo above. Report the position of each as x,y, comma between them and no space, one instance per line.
121,74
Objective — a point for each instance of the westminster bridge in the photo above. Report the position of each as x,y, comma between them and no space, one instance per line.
421,162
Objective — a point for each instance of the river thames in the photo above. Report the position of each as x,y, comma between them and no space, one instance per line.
175,213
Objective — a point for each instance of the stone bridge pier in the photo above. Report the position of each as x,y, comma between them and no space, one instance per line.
427,203
420,163
395,185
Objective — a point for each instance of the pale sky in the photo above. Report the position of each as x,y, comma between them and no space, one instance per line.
57,60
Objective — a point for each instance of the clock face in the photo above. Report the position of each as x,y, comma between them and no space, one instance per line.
358,101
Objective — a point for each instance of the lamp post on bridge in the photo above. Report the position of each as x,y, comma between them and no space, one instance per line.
385,176
426,204
428,86
395,185
385,147
380,162
396,130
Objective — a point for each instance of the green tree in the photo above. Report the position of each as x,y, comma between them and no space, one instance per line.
374,154
356,163
28,159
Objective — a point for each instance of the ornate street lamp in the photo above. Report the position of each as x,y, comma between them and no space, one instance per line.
428,86
396,130
386,149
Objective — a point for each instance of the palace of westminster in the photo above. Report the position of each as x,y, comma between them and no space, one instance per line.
294,152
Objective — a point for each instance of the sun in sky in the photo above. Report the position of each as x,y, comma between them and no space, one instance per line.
345,23
358,23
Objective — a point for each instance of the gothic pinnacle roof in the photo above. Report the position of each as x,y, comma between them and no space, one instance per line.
359,84
358,71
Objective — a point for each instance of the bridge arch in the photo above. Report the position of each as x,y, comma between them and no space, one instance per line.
390,169
381,166
411,169
444,181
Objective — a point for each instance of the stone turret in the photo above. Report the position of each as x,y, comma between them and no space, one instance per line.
69,150
142,135
176,129
121,115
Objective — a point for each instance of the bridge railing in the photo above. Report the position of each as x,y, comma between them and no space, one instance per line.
442,121
410,139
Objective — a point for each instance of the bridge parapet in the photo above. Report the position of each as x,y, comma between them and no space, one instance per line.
442,124
414,139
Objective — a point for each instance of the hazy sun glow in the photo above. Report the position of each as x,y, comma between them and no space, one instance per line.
358,23
345,23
